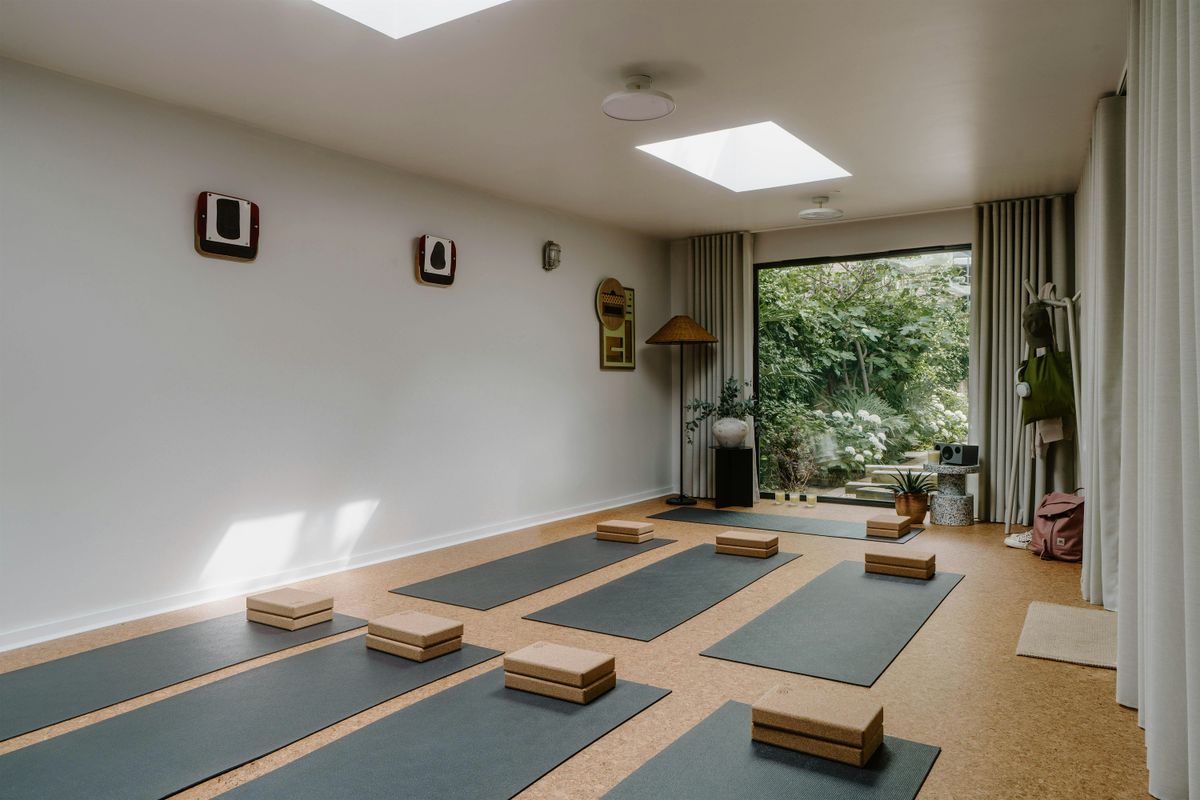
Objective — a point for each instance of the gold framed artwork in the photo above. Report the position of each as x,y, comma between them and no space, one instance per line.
615,309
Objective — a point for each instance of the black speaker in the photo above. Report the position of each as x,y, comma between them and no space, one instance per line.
962,455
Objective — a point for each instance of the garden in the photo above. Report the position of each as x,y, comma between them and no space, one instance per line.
860,364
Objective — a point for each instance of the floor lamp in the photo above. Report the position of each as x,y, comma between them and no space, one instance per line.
681,330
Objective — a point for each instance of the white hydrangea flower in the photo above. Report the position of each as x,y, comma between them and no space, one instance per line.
819,413
863,414
875,419
858,428
878,454
858,457
850,450
837,415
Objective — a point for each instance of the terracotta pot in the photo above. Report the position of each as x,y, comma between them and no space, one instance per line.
913,506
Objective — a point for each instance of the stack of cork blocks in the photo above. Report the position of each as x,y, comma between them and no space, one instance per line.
619,530
891,526
289,609
747,543
909,564
414,635
836,727
561,672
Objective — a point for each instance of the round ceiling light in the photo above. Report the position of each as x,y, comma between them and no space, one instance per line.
820,213
638,102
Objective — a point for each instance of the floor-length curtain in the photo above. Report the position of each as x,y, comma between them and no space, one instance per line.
1158,640
1015,240
1100,269
719,270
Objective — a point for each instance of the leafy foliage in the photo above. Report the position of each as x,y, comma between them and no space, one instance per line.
911,483
873,353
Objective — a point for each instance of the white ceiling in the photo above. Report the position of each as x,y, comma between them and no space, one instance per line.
929,103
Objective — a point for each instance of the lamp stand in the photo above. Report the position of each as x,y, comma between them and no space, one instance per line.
681,499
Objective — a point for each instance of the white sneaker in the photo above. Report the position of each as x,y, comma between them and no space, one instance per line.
1019,540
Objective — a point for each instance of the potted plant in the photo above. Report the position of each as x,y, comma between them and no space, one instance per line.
912,494
730,429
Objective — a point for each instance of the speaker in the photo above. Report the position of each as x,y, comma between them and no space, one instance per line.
961,455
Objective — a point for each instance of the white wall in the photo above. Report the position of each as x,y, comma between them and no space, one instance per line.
867,236
175,428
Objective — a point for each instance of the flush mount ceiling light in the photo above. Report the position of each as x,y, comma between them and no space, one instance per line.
638,102
820,213
400,18
758,156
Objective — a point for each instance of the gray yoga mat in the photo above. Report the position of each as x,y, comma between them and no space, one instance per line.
844,625
667,593
717,760
58,690
842,529
165,747
506,579
474,740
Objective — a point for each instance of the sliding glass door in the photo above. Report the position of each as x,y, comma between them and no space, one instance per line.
861,365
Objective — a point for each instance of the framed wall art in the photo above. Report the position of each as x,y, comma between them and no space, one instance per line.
615,309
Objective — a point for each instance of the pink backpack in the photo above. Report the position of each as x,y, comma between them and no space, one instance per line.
1058,527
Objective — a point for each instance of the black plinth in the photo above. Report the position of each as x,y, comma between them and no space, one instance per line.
735,476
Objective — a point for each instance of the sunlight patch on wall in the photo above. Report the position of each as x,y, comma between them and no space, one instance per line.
254,547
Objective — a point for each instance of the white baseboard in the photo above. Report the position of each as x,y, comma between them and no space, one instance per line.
21,637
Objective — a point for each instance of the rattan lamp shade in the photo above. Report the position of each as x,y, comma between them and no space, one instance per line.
681,329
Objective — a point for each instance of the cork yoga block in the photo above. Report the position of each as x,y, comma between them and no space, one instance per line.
395,648
854,756
625,526
415,628
903,572
292,603
571,666
889,522
763,541
839,718
606,536
751,552
886,533
913,559
288,623
559,691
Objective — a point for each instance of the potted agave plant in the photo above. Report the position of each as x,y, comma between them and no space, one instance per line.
730,429
911,490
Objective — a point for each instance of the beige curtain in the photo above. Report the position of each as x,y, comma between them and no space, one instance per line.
1158,639
1100,251
1014,240
719,270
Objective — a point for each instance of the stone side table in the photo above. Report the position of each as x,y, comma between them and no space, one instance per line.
950,504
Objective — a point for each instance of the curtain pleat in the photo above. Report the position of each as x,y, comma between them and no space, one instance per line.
1100,230
1158,628
1014,240
715,294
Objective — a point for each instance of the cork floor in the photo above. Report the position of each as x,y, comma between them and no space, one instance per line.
1009,727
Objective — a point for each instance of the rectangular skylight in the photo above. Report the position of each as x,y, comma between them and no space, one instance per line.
757,156
400,18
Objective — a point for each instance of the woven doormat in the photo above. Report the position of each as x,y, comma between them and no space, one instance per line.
1063,633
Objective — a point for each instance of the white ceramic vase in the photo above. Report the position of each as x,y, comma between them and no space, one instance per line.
730,432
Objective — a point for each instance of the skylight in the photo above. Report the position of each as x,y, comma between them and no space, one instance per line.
400,18
757,156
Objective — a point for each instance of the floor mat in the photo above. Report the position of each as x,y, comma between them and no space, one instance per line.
717,760
510,578
1085,636
165,747
840,528
58,690
844,625
472,741
661,596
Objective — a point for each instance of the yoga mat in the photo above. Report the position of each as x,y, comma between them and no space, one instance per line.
1085,636
58,690
474,740
845,624
667,593
506,579
842,529
165,747
717,760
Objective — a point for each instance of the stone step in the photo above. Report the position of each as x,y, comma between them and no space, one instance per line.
868,490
